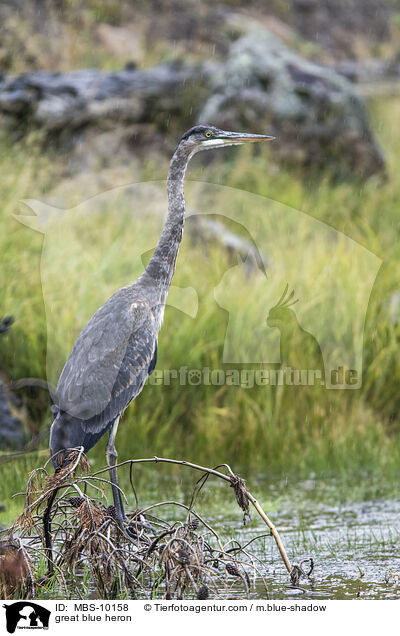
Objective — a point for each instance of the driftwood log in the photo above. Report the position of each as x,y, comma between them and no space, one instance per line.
56,101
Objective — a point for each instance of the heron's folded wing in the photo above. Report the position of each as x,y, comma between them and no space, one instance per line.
109,362
138,363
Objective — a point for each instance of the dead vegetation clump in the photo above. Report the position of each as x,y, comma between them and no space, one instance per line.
152,557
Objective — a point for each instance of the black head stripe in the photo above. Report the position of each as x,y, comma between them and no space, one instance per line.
197,130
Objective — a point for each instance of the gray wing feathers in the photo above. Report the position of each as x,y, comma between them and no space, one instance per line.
109,362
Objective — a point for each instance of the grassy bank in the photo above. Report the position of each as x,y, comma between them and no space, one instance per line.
260,428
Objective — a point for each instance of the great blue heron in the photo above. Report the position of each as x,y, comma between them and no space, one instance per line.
117,349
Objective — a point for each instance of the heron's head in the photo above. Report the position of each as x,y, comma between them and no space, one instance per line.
206,137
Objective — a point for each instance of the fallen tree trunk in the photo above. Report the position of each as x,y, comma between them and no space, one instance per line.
55,101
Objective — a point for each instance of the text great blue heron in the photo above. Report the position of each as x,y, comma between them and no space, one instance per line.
117,349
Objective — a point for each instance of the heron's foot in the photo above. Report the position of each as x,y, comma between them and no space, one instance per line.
140,524
123,522
131,529
131,532
140,528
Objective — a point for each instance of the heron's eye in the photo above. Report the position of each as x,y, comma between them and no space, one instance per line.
208,133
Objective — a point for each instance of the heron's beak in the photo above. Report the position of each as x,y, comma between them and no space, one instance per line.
242,138
226,138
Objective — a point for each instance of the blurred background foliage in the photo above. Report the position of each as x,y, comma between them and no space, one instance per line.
261,428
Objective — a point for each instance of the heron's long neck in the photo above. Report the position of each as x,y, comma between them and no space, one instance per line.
161,266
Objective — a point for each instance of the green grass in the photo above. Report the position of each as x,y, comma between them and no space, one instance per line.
257,429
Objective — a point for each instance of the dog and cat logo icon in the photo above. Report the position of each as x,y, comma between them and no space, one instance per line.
26,615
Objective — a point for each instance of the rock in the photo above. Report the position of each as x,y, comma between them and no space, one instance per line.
12,433
369,71
316,113
5,324
11,429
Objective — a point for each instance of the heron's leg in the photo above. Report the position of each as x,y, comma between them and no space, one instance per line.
112,457
47,533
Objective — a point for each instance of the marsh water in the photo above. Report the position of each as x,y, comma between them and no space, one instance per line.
350,528
354,543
